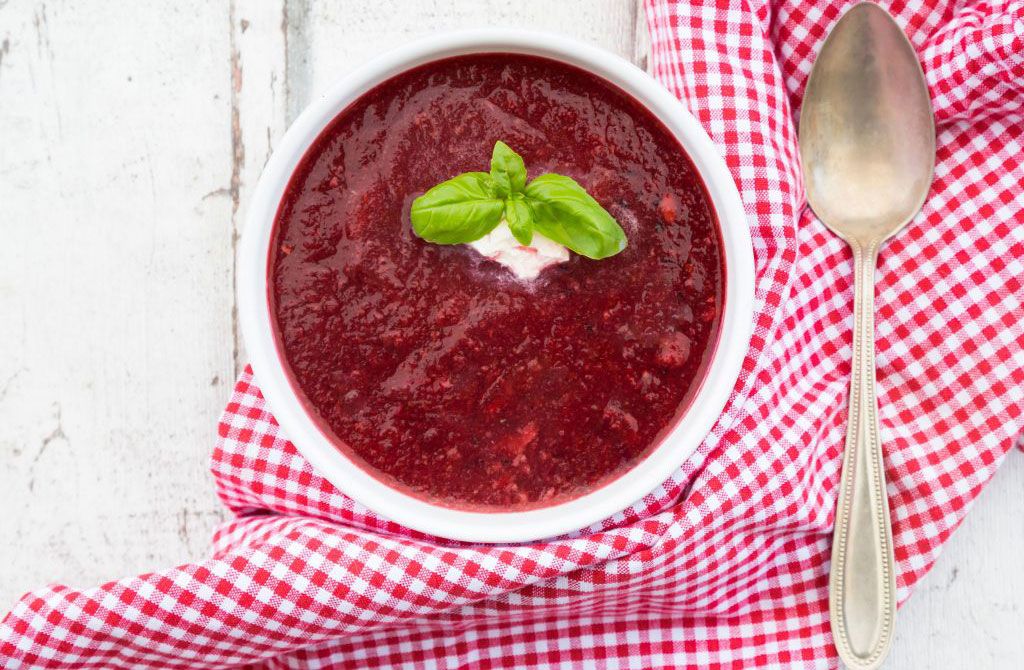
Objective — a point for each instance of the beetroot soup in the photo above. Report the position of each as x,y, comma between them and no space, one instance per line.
436,369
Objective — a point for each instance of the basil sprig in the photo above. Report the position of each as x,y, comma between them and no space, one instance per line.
469,206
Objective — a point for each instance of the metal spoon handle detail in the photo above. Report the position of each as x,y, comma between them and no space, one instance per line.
862,583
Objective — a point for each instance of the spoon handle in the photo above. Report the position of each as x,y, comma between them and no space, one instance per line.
862,582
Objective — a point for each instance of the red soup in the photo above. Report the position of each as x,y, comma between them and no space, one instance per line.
434,368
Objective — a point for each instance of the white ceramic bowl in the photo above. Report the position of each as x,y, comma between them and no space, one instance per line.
681,442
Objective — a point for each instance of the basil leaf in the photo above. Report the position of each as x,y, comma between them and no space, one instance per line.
457,211
566,213
507,169
467,207
519,216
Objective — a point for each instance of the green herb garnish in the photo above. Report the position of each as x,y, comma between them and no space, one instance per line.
469,206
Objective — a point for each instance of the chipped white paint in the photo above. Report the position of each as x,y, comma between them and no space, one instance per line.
131,135
115,274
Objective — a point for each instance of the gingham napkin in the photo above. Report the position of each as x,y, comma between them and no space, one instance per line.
725,565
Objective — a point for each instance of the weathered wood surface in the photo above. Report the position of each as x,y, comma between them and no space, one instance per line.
131,136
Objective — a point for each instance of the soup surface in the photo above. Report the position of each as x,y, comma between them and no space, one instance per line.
436,369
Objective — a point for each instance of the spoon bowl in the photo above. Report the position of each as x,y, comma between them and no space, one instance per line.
867,135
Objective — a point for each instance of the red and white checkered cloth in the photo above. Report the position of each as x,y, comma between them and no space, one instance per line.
725,565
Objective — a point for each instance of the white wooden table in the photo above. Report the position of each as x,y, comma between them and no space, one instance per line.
131,136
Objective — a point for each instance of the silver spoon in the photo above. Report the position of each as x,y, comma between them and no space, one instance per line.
867,144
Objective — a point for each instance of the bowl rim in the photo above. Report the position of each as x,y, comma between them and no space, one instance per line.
617,495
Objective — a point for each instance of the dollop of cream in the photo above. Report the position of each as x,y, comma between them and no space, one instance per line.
525,262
